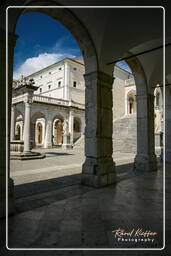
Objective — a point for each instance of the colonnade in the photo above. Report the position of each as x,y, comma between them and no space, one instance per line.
99,168
48,128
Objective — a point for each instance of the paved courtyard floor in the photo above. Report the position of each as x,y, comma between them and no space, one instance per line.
53,210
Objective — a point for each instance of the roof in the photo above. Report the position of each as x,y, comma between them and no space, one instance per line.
78,60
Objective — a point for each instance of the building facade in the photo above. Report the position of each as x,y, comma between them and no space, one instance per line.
57,107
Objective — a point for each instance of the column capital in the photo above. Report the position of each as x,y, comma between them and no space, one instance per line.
28,101
13,106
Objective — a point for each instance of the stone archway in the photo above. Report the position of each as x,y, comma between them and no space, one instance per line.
58,133
37,132
145,158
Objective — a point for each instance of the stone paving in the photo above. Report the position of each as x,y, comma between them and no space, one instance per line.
53,210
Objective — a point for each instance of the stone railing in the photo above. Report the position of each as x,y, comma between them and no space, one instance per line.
129,81
17,146
49,100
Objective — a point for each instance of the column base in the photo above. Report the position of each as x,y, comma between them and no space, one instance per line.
11,206
26,155
145,163
98,172
168,156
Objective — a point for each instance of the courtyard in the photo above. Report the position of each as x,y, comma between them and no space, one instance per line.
53,209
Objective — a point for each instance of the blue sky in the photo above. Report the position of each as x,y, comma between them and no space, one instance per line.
42,41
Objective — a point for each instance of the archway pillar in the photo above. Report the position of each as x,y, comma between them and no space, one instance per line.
27,127
168,125
98,169
145,159
11,44
48,134
71,126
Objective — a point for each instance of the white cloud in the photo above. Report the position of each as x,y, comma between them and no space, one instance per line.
34,64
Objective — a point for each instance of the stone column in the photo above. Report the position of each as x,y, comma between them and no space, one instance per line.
48,134
145,159
13,116
3,128
27,126
71,126
98,169
168,124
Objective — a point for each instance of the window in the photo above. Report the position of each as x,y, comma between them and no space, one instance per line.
49,73
40,76
49,86
74,84
59,84
74,68
40,90
60,68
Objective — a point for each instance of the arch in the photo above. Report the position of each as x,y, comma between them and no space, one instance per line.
57,132
37,117
138,73
58,117
71,22
19,122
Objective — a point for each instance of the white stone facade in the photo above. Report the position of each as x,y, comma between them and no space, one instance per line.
60,98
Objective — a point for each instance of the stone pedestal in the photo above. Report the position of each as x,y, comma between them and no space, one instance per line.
145,159
99,168
98,172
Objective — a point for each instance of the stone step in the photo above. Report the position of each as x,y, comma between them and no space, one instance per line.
124,134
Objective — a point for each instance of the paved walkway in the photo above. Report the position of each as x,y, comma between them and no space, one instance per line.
62,213
38,179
